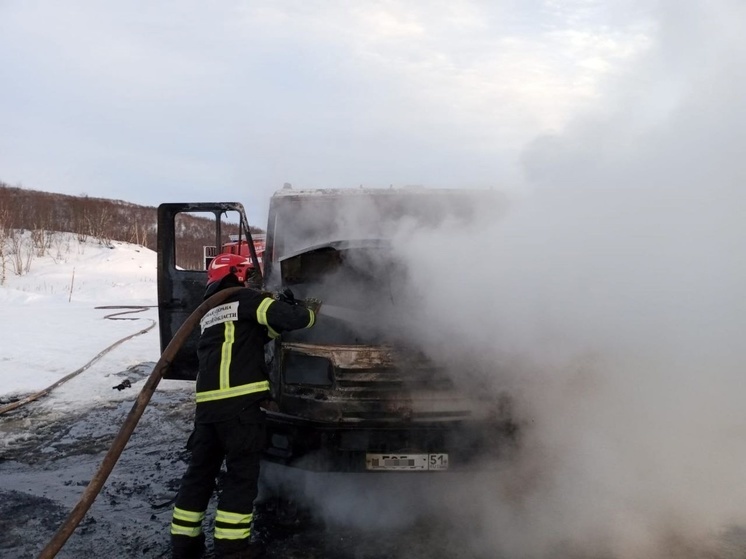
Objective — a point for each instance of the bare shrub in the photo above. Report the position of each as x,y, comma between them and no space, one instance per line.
3,260
4,252
21,251
99,219
60,247
27,257
41,240
138,234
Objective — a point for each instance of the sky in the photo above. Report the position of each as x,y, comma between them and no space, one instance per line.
184,101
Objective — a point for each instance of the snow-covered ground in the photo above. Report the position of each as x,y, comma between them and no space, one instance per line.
52,323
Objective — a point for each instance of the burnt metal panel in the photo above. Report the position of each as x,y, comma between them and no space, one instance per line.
377,384
181,291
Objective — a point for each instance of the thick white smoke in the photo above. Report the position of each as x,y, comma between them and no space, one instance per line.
611,302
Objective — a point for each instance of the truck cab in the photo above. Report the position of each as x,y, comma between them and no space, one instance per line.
352,393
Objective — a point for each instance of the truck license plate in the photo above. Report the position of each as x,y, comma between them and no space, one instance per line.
406,462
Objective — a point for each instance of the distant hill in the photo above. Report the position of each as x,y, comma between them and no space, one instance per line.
99,218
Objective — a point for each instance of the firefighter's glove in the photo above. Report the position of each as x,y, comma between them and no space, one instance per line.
312,304
286,296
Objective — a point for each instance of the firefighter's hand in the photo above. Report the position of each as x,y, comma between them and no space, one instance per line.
312,304
269,405
286,296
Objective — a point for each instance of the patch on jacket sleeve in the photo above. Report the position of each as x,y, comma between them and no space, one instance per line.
220,314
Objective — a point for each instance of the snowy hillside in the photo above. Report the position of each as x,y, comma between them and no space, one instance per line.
51,325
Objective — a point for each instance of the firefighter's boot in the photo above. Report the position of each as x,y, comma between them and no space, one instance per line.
187,548
252,551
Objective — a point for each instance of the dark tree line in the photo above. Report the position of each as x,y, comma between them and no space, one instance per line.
100,219
97,218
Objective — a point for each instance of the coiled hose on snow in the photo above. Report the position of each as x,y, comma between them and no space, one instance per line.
36,395
120,441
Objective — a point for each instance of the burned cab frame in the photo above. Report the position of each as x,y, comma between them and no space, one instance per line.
182,272
351,396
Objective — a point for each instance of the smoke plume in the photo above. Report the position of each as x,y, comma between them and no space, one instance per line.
610,303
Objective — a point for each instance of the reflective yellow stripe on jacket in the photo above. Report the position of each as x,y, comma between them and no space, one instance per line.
226,351
226,390
261,316
241,390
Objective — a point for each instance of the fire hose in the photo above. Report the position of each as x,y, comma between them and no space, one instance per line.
125,432
36,395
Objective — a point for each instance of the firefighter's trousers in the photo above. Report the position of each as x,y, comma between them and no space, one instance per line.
239,441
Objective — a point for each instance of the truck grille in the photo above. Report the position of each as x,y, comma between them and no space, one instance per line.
372,383
391,379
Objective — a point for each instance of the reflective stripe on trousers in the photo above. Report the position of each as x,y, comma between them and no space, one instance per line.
187,523
232,525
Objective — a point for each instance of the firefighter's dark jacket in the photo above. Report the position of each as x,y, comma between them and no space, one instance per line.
232,372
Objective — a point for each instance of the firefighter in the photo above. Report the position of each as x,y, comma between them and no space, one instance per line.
232,387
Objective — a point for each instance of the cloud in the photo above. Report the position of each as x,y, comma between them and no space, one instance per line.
326,94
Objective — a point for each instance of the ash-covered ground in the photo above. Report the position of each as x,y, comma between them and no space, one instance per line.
48,458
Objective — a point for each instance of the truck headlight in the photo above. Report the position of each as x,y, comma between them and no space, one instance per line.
299,368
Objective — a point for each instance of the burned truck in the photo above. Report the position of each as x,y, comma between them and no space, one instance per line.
354,393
